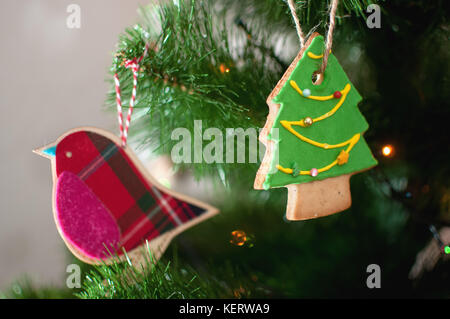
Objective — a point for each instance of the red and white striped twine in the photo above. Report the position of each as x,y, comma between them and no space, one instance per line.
134,66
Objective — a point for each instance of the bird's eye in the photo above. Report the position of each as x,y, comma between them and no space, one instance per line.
68,154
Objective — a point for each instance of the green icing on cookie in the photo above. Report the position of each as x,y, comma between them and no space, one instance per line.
296,154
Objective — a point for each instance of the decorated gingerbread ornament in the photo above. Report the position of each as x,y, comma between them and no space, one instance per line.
313,136
104,200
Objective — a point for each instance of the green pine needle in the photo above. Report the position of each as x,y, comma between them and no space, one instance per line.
148,280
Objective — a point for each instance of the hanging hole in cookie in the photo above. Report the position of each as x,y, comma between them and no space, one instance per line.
317,78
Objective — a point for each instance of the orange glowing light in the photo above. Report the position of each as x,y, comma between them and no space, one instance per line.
238,237
387,150
223,68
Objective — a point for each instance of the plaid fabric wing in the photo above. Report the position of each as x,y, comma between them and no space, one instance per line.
141,210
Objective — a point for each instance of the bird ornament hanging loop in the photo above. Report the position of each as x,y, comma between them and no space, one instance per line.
105,202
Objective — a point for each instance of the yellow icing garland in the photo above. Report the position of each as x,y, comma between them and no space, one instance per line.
287,125
340,160
343,156
344,93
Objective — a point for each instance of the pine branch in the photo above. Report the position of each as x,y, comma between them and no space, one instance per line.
149,280
182,78
275,14
269,51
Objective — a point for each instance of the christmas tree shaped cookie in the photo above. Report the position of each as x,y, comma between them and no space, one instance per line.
313,136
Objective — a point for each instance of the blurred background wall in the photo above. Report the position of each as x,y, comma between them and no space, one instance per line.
52,79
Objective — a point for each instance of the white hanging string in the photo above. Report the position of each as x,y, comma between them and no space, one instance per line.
301,36
329,36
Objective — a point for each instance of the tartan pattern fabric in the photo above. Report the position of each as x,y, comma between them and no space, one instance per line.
141,210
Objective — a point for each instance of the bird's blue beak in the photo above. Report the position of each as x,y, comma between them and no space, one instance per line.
50,151
46,151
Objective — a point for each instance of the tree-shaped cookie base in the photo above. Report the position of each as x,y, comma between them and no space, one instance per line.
313,136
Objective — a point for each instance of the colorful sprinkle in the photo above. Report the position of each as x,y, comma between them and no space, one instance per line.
342,157
314,172
447,250
308,121
306,92
295,170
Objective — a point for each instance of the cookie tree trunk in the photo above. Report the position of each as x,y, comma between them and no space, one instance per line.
319,198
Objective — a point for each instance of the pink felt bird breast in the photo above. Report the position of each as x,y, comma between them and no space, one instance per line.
104,200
